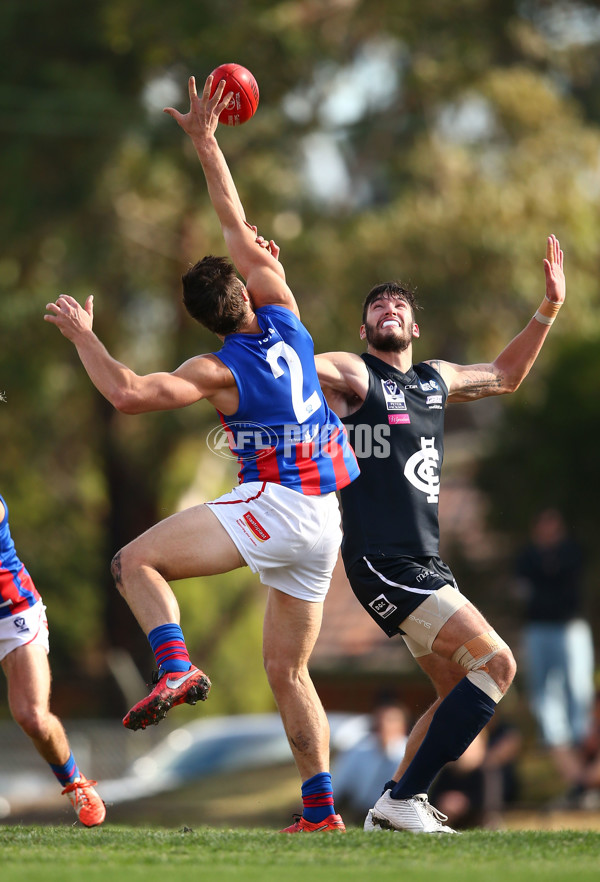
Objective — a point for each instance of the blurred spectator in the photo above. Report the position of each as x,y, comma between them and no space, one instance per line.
475,789
586,793
559,655
359,772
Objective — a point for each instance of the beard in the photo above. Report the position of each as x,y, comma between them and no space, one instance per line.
388,342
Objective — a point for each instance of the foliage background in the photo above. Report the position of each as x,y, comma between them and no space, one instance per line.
436,142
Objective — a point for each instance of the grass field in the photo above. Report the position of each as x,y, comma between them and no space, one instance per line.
112,854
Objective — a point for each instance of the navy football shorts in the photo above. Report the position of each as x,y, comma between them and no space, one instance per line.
391,588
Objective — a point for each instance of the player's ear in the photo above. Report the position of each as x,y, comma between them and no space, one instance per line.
362,332
415,331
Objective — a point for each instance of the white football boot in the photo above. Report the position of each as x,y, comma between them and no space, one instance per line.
370,826
414,814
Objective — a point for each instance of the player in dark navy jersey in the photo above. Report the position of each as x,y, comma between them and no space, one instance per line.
394,412
283,519
24,650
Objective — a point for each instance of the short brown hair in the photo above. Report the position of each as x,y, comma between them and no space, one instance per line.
389,290
212,294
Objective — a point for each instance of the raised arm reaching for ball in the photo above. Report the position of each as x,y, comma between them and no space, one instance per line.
265,277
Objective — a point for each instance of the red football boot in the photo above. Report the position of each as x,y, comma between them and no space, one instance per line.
88,806
172,688
330,824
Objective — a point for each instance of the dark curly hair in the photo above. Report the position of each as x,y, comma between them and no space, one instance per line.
389,290
212,294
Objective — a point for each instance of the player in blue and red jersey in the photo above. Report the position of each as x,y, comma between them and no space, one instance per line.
24,658
282,520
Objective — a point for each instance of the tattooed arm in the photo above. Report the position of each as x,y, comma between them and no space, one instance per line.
509,369
472,381
504,374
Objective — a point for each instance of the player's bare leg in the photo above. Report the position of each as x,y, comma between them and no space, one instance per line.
466,624
190,543
291,628
28,677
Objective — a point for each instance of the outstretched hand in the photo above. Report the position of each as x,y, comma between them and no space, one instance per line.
553,267
70,317
202,118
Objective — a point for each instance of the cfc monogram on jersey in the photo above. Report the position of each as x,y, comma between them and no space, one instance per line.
422,469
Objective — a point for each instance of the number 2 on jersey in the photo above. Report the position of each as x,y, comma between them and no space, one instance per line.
302,409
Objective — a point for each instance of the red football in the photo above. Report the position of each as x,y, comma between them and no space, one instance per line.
244,101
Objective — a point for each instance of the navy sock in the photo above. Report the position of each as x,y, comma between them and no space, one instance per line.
169,648
317,798
66,773
459,718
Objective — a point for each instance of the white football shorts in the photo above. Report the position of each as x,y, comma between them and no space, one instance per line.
29,627
289,539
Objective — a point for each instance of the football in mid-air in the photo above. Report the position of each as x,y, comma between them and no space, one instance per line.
244,101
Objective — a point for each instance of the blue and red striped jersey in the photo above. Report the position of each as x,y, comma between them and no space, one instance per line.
283,430
17,591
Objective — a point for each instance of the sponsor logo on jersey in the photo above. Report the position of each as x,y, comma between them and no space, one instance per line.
257,529
422,469
393,394
395,419
21,625
430,386
382,606
433,400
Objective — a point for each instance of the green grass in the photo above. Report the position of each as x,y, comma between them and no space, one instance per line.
112,854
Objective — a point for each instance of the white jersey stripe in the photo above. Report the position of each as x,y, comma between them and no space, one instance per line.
396,584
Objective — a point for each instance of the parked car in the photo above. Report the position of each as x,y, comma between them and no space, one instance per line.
216,745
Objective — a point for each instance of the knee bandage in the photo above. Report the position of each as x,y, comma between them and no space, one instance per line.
474,656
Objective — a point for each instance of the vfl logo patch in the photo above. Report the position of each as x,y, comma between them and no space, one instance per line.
257,529
382,606
20,625
394,396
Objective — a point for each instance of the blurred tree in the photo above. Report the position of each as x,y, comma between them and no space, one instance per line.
542,452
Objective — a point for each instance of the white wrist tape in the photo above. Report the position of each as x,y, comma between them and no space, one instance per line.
547,311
